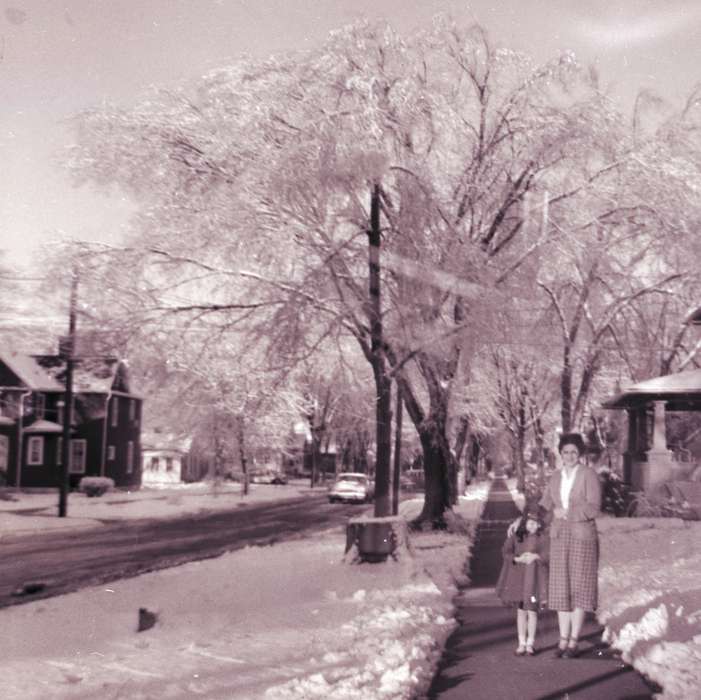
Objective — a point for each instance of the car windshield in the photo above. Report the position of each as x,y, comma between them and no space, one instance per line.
353,478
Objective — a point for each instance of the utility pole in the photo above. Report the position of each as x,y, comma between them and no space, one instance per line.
383,383
68,351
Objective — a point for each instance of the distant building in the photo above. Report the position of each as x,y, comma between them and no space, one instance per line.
166,459
105,420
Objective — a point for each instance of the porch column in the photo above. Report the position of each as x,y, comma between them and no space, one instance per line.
660,461
630,456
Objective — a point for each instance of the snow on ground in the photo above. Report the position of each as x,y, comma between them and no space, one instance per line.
288,621
294,621
650,598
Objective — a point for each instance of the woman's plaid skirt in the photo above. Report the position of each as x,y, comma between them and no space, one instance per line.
574,571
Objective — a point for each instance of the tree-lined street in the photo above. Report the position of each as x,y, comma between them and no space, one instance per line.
416,243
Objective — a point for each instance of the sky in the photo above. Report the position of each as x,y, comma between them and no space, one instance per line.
57,58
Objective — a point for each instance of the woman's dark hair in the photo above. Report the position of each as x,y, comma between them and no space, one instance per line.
572,439
530,513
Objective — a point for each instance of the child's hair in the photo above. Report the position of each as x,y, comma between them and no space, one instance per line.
530,513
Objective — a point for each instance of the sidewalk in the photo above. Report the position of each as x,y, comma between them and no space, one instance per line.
478,661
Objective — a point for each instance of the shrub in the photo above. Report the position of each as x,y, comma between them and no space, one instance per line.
645,505
615,494
93,486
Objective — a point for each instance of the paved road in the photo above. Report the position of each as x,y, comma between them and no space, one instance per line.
478,661
67,561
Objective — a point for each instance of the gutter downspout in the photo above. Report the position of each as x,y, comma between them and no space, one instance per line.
103,459
20,431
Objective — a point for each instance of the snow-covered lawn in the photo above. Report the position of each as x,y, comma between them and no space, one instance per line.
294,621
288,621
650,598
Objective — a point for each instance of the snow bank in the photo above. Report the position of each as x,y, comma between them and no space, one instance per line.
650,599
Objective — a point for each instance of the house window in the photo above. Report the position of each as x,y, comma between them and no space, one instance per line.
78,454
153,466
130,457
110,452
132,410
6,405
35,450
4,452
115,411
39,405
169,464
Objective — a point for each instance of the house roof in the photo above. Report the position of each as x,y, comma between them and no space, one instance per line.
91,375
29,372
44,426
681,391
152,440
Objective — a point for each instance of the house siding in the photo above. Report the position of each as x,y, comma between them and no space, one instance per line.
91,422
10,432
120,435
91,432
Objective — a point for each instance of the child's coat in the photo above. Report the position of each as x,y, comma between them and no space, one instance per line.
525,583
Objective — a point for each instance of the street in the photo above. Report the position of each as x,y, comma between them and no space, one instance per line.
66,561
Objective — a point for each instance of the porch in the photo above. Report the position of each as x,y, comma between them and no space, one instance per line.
649,460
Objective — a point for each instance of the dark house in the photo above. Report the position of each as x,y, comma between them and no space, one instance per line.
105,421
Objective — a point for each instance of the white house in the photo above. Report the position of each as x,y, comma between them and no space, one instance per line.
165,459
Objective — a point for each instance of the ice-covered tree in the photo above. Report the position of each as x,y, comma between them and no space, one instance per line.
256,183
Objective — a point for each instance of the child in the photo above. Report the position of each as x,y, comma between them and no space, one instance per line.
523,580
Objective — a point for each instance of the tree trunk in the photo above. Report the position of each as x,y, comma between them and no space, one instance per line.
521,448
474,457
439,464
240,438
539,436
566,391
439,469
397,452
520,459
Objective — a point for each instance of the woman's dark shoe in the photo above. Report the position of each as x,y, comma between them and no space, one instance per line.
561,648
572,650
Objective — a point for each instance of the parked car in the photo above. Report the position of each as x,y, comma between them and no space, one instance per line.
267,476
352,487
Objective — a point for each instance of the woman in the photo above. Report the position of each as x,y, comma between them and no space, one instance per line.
573,498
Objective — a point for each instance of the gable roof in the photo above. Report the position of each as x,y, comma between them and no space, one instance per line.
681,390
47,373
154,441
29,372
91,375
